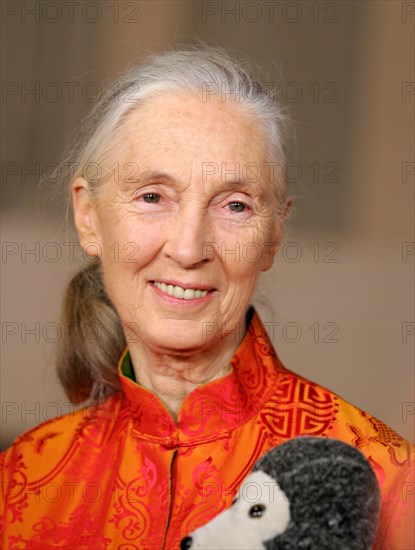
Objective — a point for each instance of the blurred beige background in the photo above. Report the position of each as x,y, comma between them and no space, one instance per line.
339,302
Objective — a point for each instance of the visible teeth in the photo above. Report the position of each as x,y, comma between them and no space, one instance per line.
189,294
179,292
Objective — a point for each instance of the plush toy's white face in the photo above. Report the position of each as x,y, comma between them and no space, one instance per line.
260,512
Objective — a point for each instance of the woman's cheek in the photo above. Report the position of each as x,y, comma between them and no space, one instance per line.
127,244
241,248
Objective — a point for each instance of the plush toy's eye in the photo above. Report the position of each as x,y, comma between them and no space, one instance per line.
256,511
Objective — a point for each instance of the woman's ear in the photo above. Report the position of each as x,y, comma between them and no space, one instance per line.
85,217
287,209
271,248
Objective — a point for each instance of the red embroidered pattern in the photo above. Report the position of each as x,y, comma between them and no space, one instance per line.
125,476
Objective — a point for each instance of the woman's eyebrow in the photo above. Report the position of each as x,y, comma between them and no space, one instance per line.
240,183
137,179
134,177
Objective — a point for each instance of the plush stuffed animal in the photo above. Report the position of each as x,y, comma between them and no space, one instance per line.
309,493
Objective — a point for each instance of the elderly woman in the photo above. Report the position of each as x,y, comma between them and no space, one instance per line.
176,170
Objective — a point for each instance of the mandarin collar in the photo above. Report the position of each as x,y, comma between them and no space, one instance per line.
213,410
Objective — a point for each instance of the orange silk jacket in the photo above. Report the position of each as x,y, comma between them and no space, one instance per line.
125,476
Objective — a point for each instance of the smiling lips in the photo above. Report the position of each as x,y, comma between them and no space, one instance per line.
179,292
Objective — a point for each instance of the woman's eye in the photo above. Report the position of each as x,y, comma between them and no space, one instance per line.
237,206
151,197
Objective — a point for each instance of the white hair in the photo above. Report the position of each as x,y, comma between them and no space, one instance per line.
209,71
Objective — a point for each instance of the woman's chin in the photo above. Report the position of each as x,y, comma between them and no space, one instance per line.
176,335
177,345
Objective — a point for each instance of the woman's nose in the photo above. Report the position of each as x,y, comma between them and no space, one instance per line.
187,242
186,543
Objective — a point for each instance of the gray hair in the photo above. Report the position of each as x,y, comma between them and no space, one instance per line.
209,71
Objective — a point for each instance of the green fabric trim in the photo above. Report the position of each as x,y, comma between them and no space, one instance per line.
127,367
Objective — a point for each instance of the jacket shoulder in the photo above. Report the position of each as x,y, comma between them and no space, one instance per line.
37,450
321,411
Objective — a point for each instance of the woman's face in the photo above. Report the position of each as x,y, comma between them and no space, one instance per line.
187,223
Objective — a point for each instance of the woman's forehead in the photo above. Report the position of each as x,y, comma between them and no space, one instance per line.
185,124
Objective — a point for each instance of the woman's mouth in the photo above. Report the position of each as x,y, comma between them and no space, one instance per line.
176,291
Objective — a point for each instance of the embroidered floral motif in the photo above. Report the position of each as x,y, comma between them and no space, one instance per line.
124,476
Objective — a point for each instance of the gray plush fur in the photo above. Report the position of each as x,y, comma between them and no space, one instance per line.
333,494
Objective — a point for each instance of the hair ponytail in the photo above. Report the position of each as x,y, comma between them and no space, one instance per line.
92,339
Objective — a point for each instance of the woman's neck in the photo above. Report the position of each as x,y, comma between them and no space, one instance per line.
172,376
